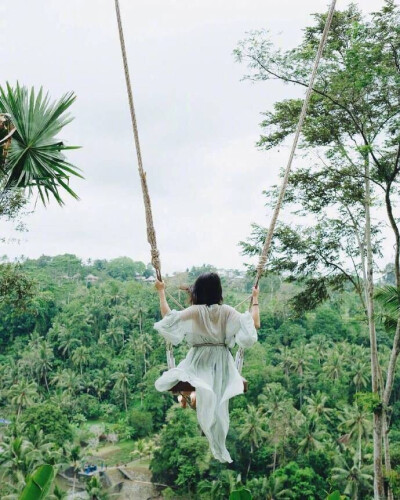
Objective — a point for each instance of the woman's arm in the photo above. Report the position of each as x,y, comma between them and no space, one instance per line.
255,311
165,309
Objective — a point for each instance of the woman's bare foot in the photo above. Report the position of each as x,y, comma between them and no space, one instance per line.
184,398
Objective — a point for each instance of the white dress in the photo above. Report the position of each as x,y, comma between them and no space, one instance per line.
210,369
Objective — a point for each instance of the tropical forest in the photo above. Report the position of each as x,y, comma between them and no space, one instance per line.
80,417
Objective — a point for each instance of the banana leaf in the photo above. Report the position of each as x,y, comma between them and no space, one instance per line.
39,483
241,494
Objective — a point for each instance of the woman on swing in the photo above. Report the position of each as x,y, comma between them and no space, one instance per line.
210,328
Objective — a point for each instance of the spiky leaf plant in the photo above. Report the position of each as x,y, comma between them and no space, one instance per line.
34,158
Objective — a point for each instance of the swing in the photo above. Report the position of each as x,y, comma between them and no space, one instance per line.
184,387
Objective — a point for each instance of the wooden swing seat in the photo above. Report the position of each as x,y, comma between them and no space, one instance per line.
187,387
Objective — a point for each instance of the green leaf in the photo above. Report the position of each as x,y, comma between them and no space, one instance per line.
242,494
39,483
35,156
335,496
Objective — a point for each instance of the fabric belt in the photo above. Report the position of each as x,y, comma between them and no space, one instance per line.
210,344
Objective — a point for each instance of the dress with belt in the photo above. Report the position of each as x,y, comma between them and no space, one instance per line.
208,366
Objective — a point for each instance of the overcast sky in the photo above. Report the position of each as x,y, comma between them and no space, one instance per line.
198,122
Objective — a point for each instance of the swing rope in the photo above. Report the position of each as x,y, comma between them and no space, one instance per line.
263,257
151,233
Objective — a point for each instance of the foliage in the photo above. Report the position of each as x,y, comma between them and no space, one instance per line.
34,158
38,484
50,419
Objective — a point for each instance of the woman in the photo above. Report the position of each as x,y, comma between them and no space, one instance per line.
210,328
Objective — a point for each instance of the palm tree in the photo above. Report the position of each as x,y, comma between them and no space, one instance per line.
388,297
320,345
74,455
278,407
68,380
316,406
300,364
252,430
58,494
140,448
23,394
95,490
218,489
122,384
334,367
357,423
360,374
285,361
100,383
33,156
269,488
116,335
80,357
143,344
352,477
313,436
67,341
44,361
16,456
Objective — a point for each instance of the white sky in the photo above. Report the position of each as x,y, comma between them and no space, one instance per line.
198,122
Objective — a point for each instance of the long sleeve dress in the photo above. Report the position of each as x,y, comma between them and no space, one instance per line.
210,369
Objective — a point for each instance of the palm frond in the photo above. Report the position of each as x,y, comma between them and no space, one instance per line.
388,297
35,156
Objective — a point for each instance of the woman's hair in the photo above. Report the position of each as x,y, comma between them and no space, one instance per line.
207,290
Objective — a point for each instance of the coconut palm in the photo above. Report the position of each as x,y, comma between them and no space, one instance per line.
80,357
140,448
320,345
218,489
33,156
252,430
316,406
300,364
11,490
73,453
358,424
116,335
68,380
388,297
333,367
360,374
313,436
353,478
44,361
143,344
269,488
23,394
122,385
17,456
58,494
67,341
285,362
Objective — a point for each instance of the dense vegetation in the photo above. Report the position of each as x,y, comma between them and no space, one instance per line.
75,351
78,352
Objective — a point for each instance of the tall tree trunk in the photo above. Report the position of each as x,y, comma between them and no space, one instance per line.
396,341
386,451
250,460
379,492
275,456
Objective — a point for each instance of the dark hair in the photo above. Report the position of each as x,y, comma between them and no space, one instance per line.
207,290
